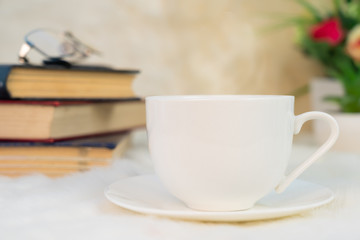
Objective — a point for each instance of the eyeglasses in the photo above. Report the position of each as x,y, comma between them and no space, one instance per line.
55,46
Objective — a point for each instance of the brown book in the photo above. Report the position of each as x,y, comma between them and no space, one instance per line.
58,120
77,82
61,158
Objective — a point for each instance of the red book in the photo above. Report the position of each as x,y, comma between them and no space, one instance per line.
51,121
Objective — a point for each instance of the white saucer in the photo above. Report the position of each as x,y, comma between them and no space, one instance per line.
145,194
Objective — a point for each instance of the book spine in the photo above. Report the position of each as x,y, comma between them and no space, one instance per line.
4,73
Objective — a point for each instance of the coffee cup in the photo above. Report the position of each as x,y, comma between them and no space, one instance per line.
226,152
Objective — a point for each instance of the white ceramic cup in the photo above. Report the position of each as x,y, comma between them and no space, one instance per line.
225,152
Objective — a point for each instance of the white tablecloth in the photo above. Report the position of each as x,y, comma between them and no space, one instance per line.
74,207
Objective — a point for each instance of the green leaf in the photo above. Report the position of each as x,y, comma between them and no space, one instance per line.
337,5
353,88
347,103
311,9
288,22
300,91
335,99
281,25
347,21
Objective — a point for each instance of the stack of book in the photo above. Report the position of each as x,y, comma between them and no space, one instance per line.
57,121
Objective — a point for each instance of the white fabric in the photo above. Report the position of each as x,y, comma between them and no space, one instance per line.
74,207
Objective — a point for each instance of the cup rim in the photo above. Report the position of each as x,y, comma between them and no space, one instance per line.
216,97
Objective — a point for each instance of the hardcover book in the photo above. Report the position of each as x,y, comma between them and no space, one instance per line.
58,120
61,158
54,82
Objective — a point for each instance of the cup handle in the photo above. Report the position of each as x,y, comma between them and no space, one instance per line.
299,121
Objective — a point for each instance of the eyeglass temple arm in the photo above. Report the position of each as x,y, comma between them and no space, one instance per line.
76,42
24,50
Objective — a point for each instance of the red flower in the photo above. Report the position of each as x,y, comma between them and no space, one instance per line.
329,31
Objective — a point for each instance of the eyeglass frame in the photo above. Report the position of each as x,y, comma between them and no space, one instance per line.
27,46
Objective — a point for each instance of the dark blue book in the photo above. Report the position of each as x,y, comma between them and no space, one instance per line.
57,82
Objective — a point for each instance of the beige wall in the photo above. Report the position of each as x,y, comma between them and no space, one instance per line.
182,47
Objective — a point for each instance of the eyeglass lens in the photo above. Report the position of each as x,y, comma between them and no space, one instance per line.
51,44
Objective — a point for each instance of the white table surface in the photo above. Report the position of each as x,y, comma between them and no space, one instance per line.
74,207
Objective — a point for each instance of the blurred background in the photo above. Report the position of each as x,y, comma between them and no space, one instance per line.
181,47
